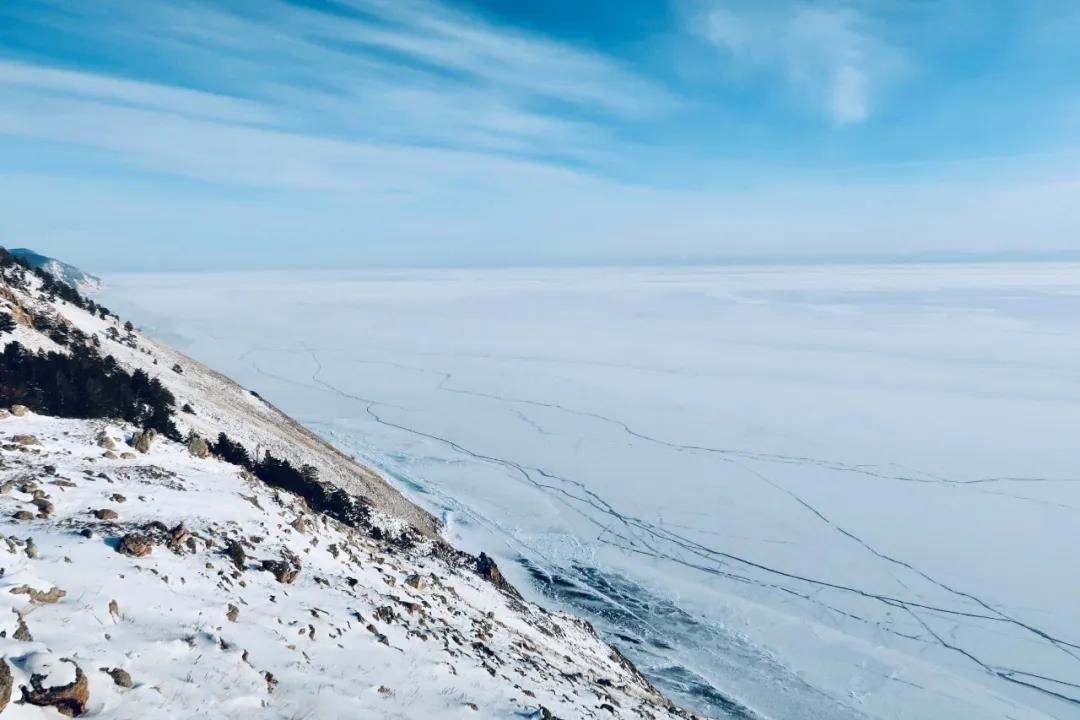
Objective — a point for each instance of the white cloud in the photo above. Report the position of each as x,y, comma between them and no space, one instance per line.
827,54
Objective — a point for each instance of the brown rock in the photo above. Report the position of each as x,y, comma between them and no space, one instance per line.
135,545
25,440
122,678
106,514
233,613
5,683
23,515
110,455
142,441
128,456
41,597
284,572
19,410
4,414
198,447
117,497
22,633
104,441
69,700
415,582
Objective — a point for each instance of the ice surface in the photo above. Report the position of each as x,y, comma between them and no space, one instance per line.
784,492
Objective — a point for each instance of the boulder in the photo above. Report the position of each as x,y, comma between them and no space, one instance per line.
122,678
5,684
198,447
26,440
142,441
70,700
415,582
104,441
19,410
106,514
4,414
135,545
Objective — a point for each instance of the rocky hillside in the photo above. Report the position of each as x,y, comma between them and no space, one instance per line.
156,573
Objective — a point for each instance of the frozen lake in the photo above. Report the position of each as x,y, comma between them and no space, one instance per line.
788,493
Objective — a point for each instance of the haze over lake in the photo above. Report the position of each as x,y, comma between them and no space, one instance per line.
783,492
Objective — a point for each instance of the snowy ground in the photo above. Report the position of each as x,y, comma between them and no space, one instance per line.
364,629
797,492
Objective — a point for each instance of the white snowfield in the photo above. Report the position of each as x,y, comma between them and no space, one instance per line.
809,493
365,630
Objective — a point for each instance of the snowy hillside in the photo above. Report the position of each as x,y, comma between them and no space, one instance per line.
73,276
146,576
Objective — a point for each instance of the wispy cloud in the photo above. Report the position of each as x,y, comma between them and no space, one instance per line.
828,54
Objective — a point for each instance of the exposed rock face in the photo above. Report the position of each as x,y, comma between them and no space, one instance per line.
487,569
142,441
70,699
5,684
415,581
198,447
135,545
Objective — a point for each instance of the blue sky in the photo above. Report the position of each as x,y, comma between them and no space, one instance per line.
188,134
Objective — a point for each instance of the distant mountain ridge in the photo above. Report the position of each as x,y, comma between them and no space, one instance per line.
68,274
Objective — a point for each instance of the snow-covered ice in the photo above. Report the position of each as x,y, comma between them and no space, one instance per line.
816,492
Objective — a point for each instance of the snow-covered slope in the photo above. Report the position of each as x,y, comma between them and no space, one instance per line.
170,583
73,276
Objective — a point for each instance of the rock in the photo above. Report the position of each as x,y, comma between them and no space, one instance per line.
41,597
45,508
117,497
122,678
111,455
128,456
4,414
235,552
31,549
198,447
104,441
487,569
69,700
271,682
22,633
142,441
114,608
19,410
5,683
135,545
23,515
233,613
106,514
301,524
415,582
25,440
87,533
285,573
179,537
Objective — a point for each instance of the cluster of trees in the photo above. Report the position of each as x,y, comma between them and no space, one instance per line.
83,384
303,481
271,470
7,323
